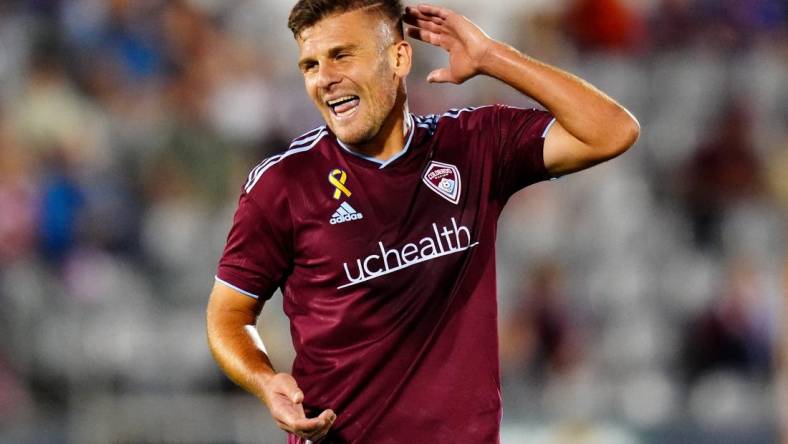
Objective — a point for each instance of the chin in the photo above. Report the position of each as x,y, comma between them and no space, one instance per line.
353,136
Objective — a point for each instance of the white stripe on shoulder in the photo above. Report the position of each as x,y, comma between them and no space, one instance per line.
297,142
307,134
427,122
299,148
255,170
454,112
305,140
430,122
242,291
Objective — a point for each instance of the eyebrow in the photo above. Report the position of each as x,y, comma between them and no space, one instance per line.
350,47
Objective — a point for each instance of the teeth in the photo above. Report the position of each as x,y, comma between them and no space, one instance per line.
340,100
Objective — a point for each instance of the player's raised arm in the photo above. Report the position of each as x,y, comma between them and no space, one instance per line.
239,351
590,126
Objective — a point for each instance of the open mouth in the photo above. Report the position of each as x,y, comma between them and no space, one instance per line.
344,106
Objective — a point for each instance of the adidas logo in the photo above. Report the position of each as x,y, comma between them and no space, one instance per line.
345,213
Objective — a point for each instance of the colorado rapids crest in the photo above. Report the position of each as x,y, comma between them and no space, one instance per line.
444,179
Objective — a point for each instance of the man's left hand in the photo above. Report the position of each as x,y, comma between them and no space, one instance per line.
465,42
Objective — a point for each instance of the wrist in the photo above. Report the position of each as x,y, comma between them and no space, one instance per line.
262,383
495,58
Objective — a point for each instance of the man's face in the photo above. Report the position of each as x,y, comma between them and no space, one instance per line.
350,71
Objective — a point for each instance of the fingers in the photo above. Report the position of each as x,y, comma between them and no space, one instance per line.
434,11
425,28
422,23
442,75
297,396
431,24
424,35
413,13
314,429
285,401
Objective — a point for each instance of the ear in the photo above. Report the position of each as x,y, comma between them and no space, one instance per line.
401,58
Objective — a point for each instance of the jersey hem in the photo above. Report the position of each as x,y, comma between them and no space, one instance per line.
240,290
547,128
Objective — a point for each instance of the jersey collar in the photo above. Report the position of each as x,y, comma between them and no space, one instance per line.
383,164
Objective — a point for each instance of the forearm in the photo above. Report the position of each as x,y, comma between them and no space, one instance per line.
239,351
237,348
586,113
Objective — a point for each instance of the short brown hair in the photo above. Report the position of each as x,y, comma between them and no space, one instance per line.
307,13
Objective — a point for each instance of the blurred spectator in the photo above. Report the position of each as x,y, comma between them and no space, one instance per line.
722,172
675,24
605,25
62,202
53,118
735,331
544,334
17,198
14,397
735,24
123,34
777,165
131,38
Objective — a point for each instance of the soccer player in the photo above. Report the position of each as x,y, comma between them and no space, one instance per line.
379,228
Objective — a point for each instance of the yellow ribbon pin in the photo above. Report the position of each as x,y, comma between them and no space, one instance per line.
339,184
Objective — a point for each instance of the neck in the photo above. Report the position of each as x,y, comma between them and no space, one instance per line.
390,140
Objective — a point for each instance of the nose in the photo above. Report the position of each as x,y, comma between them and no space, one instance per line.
327,75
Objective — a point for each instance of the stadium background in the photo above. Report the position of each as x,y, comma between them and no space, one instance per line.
640,301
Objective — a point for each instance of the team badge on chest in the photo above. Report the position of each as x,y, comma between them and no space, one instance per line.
444,179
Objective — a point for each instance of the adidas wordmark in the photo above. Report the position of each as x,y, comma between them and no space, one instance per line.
345,213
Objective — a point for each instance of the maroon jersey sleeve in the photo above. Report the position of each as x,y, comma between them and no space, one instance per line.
519,160
258,254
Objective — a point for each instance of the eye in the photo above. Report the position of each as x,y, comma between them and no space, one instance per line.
308,66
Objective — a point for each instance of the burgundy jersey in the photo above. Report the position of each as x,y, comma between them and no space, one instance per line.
388,270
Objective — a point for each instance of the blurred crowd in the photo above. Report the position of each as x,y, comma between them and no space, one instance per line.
640,301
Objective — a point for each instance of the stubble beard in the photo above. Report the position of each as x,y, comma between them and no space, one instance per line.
378,111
